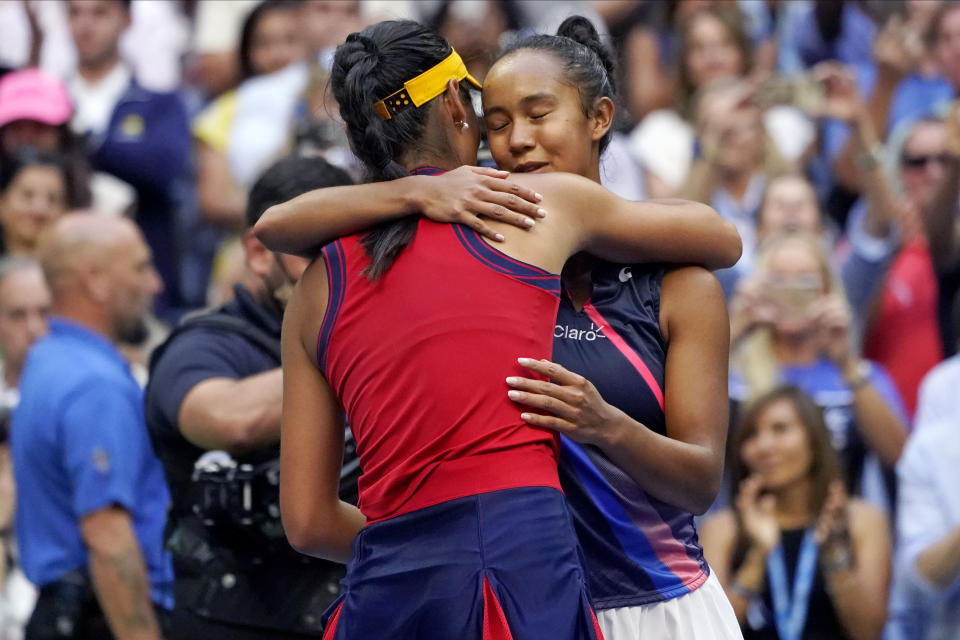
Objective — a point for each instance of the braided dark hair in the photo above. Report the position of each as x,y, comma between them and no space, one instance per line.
368,67
587,63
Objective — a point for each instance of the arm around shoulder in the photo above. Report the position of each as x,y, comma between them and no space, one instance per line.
668,230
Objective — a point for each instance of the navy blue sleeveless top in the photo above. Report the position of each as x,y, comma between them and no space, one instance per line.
638,549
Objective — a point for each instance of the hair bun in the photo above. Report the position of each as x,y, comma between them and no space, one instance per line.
582,30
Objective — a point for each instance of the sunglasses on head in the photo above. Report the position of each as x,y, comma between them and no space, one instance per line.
920,161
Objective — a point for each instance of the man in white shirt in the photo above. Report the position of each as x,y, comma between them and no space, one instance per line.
139,136
925,601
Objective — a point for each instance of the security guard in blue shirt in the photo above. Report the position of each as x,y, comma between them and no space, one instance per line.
91,495
213,409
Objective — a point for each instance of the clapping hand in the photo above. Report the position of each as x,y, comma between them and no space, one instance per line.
898,47
842,99
758,514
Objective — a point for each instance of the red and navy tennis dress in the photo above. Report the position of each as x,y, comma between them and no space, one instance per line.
638,549
468,534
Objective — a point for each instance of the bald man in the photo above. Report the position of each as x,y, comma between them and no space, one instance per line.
92,498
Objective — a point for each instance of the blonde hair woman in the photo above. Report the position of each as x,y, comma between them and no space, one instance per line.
790,322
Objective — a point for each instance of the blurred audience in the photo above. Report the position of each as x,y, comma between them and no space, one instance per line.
902,329
794,325
828,132
214,67
35,111
793,535
713,48
242,131
24,305
139,136
91,496
937,397
926,596
477,29
33,194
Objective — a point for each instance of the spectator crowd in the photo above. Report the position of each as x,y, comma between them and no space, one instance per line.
828,132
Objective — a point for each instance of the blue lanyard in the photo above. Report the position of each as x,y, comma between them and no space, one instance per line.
790,609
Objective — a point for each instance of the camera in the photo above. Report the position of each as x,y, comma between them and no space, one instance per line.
237,495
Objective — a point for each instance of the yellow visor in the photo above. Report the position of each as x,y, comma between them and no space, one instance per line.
425,87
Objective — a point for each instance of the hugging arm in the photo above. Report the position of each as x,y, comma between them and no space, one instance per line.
667,230
315,520
683,467
306,223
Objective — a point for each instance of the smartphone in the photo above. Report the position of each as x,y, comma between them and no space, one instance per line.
801,91
793,298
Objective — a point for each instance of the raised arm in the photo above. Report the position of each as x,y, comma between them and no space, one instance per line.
305,224
315,520
858,577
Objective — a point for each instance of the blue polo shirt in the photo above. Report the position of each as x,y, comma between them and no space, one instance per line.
80,444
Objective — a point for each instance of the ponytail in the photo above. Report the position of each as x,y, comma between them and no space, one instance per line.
369,66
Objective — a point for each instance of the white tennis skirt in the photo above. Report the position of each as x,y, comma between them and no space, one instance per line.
702,614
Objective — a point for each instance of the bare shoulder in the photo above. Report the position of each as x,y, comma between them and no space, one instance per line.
308,304
693,282
561,191
688,294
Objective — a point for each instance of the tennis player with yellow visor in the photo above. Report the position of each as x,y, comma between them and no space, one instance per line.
426,86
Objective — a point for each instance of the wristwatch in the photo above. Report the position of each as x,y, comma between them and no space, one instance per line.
838,557
869,159
860,377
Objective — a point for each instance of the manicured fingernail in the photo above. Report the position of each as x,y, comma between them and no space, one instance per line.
539,197
525,417
513,380
529,222
542,213
500,237
525,360
513,395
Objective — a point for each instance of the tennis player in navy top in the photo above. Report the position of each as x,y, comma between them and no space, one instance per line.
639,380
643,442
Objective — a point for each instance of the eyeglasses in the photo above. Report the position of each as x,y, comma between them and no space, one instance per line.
921,161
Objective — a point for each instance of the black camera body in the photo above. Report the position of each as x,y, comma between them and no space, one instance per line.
225,494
